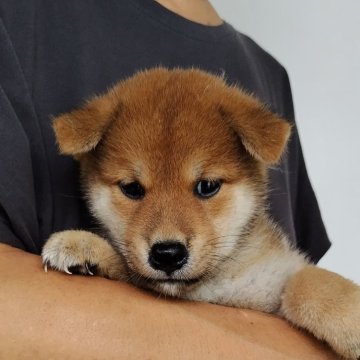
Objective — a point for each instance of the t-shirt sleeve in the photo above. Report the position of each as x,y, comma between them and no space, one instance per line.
18,214
292,201
310,232
7,236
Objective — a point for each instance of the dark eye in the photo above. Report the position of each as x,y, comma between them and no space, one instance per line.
133,190
207,188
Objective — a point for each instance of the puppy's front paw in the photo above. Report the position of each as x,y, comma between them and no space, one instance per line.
327,305
76,251
343,333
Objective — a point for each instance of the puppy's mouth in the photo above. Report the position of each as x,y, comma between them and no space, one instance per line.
169,286
184,282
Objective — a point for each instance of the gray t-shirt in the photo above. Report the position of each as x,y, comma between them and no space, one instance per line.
54,54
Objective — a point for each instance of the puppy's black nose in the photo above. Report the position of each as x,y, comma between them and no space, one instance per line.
168,256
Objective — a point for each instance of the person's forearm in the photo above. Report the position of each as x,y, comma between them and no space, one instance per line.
51,315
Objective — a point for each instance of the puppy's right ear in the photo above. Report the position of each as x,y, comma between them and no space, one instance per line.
80,131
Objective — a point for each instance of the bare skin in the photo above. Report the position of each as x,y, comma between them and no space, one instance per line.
199,11
59,316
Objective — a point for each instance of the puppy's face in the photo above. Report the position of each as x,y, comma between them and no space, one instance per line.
173,164
174,191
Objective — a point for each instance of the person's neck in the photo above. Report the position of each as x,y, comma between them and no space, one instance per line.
199,11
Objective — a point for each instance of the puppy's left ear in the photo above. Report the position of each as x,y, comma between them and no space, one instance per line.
263,134
80,131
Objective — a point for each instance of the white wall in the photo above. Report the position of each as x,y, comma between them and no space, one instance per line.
318,41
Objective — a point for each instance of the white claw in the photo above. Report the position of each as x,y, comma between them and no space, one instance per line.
67,271
88,270
45,267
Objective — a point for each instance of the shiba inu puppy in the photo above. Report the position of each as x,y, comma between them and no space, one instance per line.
174,166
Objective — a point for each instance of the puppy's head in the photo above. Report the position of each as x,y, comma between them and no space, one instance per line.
173,163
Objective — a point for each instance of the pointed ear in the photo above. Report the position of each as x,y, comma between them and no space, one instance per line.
263,134
80,131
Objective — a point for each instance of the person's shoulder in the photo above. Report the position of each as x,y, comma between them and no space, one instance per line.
267,70
260,55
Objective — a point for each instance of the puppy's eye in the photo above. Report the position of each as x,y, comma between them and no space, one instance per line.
132,190
207,188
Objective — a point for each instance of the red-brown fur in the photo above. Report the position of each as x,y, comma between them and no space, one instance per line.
172,128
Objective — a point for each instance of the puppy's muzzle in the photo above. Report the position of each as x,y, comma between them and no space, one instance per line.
168,256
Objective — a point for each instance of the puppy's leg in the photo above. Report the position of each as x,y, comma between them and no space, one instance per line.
82,252
328,306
